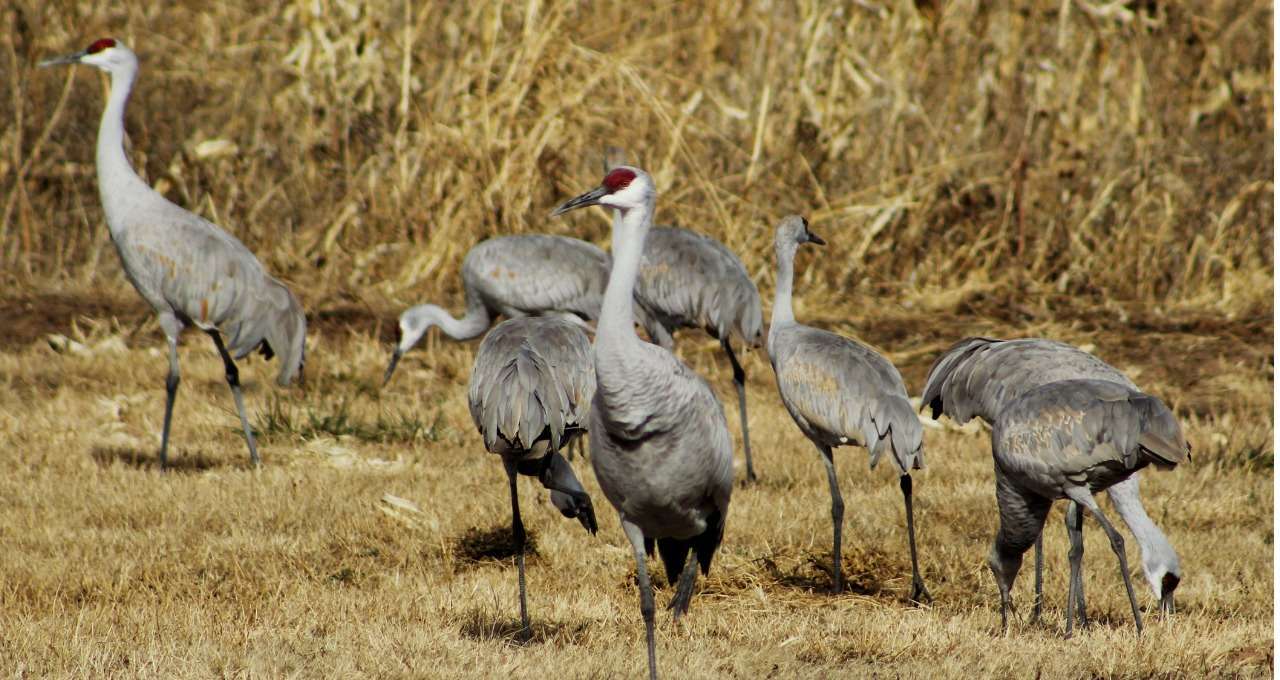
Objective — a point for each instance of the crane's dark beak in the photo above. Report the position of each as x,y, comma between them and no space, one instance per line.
1167,585
588,199
814,238
66,59
391,367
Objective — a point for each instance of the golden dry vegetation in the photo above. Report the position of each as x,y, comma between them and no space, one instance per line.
1098,172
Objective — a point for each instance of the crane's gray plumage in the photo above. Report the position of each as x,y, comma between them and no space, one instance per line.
190,271
690,280
530,393
978,377
513,276
660,445
841,392
1072,439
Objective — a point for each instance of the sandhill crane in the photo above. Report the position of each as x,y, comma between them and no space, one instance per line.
513,276
188,270
841,392
530,393
978,377
690,280
1072,439
660,445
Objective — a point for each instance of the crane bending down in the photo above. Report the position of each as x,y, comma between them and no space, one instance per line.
188,270
841,392
513,276
690,280
660,445
979,377
1072,439
530,393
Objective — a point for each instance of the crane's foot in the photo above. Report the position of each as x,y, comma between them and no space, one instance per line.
920,594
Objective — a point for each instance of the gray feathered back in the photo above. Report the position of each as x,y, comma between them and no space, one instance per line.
689,279
976,376
1074,425
532,380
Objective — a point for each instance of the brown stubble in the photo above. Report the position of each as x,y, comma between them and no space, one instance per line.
1099,178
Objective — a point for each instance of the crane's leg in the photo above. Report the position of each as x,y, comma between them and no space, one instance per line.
1083,497
1022,517
172,327
918,592
1038,601
1075,591
837,518
233,380
636,536
740,383
517,534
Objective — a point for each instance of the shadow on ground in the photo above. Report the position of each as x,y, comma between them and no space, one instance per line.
148,460
493,544
485,626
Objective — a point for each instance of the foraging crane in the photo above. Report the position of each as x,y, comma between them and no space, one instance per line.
660,444
690,280
530,393
513,276
841,392
1072,439
978,377
188,270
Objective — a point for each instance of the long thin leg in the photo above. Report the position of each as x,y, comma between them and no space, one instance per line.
837,518
684,589
517,533
1075,592
1078,530
1038,601
1083,497
172,327
233,380
636,536
740,383
918,592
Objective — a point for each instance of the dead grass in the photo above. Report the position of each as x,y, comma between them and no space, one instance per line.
1096,172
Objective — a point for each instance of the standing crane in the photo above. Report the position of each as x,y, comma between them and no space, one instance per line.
690,280
513,276
841,392
660,444
530,393
1071,439
979,377
188,270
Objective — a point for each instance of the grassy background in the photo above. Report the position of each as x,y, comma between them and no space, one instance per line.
1096,172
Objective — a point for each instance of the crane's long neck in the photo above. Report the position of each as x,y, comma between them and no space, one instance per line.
116,178
782,312
616,325
471,325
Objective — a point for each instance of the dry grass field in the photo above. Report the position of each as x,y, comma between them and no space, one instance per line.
1098,172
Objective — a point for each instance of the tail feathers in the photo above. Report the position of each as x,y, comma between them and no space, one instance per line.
674,551
524,402
943,368
277,327
1161,439
898,428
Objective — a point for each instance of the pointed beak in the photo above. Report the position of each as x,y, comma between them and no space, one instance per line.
814,238
391,367
588,199
66,59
